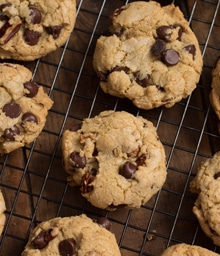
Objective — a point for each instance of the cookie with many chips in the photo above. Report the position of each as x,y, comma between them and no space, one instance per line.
152,57
116,158
31,29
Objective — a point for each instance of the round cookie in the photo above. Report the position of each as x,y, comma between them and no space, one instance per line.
23,107
68,236
2,210
215,91
152,57
116,158
31,29
207,206
187,250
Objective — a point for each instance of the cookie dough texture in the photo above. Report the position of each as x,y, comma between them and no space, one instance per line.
187,250
215,91
23,107
152,57
2,212
116,158
207,206
31,29
77,235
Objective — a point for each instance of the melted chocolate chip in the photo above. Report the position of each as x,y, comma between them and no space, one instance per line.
217,175
164,33
35,14
5,26
2,6
10,133
141,160
12,110
180,31
12,33
32,89
143,82
77,160
127,170
191,49
170,57
31,37
120,68
67,247
29,117
42,239
75,127
102,76
54,31
158,47
103,221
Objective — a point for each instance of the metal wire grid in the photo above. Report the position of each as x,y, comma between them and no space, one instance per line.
33,180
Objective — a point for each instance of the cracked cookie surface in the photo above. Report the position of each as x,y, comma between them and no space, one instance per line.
76,235
116,158
207,206
187,250
23,107
152,57
31,29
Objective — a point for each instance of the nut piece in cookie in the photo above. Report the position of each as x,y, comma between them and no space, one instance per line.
186,249
75,235
23,107
32,29
206,208
115,158
152,57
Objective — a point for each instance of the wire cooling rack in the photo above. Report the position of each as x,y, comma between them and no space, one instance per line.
33,180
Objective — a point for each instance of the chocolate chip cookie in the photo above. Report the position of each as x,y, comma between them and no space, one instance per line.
207,185
23,107
116,158
2,210
187,250
76,235
32,29
152,57
215,91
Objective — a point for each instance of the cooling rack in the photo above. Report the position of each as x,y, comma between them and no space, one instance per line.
33,180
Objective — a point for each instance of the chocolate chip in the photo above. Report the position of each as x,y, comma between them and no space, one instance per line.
6,25
2,6
32,88
101,75
141,160
127,170
158,47
170,57
93,171
217,175
12,33
31,37
180,31
35,14
143,82
54,31
67,247
12,110
191,49
86,181
42,239
103,221
75,127
77,160
120,68
10,133
164,33
29,117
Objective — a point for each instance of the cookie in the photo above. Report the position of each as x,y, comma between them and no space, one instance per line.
207,185
32,29
76,235
116,158
214,95
187,250
23,107
2,212
152,56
